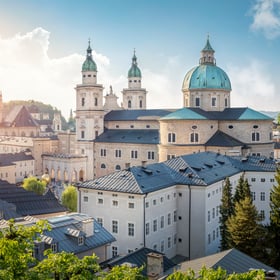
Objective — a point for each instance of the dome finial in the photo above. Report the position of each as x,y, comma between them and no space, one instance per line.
89,64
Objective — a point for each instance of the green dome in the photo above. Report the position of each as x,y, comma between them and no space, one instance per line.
206,76
89,64
134,71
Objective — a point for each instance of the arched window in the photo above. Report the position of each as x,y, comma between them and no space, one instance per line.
194,137
83,101
226,102
129,104
118,167
95,101
140,103
103,166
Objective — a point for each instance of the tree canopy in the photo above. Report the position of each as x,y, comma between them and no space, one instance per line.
35,185
69,198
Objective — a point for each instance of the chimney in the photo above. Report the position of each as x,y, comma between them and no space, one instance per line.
88,227
154,266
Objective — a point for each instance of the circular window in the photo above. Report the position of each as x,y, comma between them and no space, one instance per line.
230,126
255,126
194,127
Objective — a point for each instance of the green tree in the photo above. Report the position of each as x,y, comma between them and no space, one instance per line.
274,228
226,210
16,247
69,198
35,185
242,189
216,274
243,227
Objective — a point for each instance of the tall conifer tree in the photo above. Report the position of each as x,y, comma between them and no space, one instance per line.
226,210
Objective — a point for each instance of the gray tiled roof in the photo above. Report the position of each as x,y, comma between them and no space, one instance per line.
223,140
29,203
130,115
139,136
11,158
138,258
60,234
231,260
200,169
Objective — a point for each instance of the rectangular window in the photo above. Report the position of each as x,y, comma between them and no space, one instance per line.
197,102
162,246
154,225
85,198
171,137
114,251
147,204
169,242
118,153
100,201
255,136
54,247
162,222
214,235
131,205
217,211
209,238
147,228
80,240
151,155
103,152
130,229
271,180
262,196
134,154
208,216
214,101
169,219
115,203
175,216
175,239
115,226
213,213
253,195
154,202
262,180
170,157
100,221
253,179
82,134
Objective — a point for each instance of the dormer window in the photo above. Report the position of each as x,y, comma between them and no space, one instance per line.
54,247
81,240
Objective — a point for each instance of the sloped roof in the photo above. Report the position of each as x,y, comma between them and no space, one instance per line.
139,136
228,114
130,115
11,158
29,203
223,140
138,258
231,260
199,169
61,226
19,116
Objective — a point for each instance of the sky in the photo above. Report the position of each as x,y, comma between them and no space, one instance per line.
43,45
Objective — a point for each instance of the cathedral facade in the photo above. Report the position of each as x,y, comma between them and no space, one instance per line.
111,137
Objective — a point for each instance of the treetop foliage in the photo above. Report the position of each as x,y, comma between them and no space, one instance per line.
35,185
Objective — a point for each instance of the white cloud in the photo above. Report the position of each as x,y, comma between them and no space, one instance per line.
252,87
266,18
28,73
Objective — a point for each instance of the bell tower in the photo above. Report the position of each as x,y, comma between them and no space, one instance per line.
134,97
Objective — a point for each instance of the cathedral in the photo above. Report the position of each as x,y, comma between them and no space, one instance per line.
111,137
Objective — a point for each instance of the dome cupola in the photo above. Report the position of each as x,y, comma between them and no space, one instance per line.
134,71
207,75
89,64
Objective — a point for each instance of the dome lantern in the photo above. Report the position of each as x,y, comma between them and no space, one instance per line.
134,70
89,64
